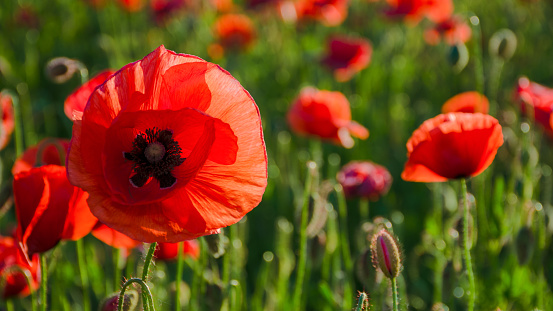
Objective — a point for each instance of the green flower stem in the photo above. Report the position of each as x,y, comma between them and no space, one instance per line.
84,274
362,302
117,270
344,242
477,52
394,295
43,281
148,301
180,269
9,305
471,293
364,209
18,130
302,261
145,271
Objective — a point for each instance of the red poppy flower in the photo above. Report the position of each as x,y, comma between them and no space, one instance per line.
113,238
75,103
467,102
414,10
347,56
325,114
223,5
52,151
163,9
8,120
453,145
49,209
531,94
328,12
234,31
132,5
453,31
169,148
11,260
169,251
364,179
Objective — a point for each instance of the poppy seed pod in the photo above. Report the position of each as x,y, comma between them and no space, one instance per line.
386,254
503,44
61,69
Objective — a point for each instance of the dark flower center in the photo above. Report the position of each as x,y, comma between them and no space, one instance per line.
155,154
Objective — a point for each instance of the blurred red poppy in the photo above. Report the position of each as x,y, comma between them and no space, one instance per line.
234,31
347,56
170,148
328,12
453,31
8,119
467,102
169,251
223,6
52,151
364,179
11,262
453,145
113,238
48,207
163,9
414,10
76,101
132,5
325,114
539,97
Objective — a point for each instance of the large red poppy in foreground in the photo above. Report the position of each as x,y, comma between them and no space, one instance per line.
453,145
169,148
325,114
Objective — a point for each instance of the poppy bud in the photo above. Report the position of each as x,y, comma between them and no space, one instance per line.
525,244
364,179
61,69
458,57
385,254
503,44
362,302
130,301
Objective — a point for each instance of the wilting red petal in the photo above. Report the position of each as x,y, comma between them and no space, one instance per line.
169,251
112,237
453,145
76,101
12,259
213,120
8,121
324,114
52,151
467,102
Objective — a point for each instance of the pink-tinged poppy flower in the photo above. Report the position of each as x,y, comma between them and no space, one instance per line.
12,261
76,101
49,209
169,251
364,179
453,31
113,238
452,145
170,148
8,119
414,10
347,56
328,12
471,101
234,31
325,114
540,98
163,9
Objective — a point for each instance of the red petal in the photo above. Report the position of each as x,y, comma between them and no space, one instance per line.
113,237
76,101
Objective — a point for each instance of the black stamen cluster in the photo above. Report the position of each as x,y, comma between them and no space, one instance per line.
160,170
